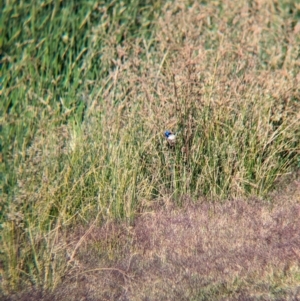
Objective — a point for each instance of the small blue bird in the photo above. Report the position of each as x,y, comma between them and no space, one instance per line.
171,138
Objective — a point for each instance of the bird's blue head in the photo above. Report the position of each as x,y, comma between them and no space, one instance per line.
167,134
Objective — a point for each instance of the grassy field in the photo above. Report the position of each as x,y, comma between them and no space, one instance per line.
95,203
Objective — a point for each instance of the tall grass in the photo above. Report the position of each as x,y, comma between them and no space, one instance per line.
52,173
90,89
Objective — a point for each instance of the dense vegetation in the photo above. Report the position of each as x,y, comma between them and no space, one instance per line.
88,90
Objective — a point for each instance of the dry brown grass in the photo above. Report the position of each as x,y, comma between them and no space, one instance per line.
239,250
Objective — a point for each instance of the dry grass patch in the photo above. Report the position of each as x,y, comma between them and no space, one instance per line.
239,250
